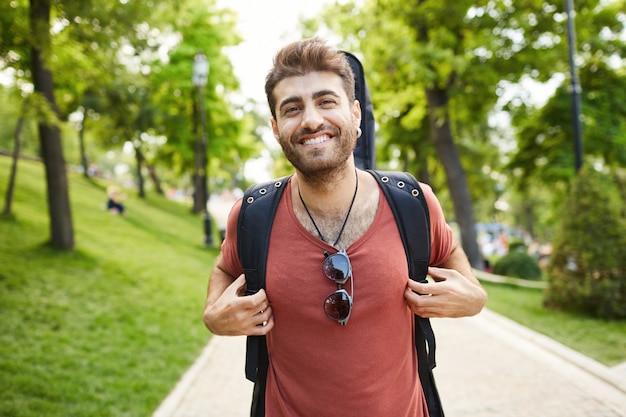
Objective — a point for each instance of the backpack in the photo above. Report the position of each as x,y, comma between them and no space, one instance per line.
256,217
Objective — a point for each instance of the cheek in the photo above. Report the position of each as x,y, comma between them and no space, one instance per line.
285,130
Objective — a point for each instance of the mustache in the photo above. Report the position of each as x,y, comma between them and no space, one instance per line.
306,132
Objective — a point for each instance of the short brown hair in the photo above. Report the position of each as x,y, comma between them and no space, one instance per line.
305,56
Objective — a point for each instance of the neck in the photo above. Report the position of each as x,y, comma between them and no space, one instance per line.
330,197
332,226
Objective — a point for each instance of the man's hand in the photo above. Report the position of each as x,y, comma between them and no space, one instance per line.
451,295
235,314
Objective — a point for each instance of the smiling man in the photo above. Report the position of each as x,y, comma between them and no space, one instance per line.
338,305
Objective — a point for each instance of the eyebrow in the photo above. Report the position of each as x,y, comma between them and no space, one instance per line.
317,94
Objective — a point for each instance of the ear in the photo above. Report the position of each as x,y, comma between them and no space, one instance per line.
356,114
274,128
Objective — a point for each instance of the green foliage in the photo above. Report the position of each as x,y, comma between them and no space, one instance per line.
106,329
518,264
433,48
127,66
588,264
545,135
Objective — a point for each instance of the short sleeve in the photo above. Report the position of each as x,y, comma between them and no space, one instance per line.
441,236
229,252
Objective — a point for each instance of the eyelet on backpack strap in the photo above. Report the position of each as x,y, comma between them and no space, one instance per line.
250,200
278,184
384,179
415,192
400,184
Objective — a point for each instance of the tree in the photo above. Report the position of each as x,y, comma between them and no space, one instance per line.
588,264
61,227
414,85
8,200
545,148
229,136
30,46
447,67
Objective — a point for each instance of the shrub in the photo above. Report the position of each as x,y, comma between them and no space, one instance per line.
518,264
588,264
517,245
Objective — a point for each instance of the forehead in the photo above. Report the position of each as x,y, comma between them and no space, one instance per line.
308,86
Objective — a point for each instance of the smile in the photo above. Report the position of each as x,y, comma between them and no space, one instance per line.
315,141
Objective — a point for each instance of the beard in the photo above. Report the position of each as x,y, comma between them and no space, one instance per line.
320,165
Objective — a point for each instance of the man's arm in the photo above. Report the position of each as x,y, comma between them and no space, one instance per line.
455,293
228,311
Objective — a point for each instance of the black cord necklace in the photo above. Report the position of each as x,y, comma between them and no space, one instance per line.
343,226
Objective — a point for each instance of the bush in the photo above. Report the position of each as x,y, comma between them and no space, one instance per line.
517,245
518,264
588,265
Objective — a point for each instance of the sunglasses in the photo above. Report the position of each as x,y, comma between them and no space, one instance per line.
338,305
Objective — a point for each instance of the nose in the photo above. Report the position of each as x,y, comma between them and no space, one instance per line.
312,119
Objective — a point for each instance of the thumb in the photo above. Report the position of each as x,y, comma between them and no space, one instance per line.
239,286
438,274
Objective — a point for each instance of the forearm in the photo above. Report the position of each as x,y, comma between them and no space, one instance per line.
459,262
475,296
219,280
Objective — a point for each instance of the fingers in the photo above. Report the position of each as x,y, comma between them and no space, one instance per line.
253,313
422,303
451,295
235,313
262,323
420,288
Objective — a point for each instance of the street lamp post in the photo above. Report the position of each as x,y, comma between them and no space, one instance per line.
575,86
200,76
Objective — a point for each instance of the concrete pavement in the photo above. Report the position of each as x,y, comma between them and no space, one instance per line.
487,366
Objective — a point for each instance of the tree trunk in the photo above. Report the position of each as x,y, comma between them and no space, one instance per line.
441,135
81,144
61,228
529,216
17,148
140,182
155,178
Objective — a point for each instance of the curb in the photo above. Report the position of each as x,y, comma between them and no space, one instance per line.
606,374
175,397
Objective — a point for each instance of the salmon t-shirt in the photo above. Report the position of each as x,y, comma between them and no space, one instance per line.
318,367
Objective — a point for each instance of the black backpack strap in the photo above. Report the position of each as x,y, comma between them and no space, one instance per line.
402,191
254,227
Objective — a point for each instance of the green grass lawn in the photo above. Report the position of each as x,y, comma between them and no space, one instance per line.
106,329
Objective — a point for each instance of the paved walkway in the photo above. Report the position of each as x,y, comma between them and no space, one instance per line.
488,366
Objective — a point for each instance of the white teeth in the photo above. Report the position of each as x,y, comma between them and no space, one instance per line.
315,141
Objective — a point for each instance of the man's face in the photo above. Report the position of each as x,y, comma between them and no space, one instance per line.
316,122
